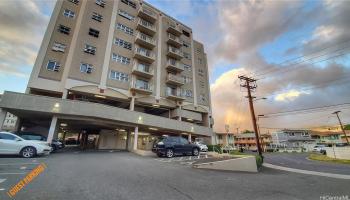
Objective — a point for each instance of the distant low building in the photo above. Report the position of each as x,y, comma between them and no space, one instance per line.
225,139
248,141
326,137
289,138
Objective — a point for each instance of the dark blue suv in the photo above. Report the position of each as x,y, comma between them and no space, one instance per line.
171,146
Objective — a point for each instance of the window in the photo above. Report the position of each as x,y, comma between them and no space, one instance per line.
186,44
123,43
119,76
183,141
291,134
101,3
199,50
126,29
74,1
86,68
200,72
53,66
94,32
187,34
68,13
199,61
121,59
188,67
187,55
97,17
90,49
126,15
188,93
129,3
187,79
58,47
142,84
63,29
7,136
201,84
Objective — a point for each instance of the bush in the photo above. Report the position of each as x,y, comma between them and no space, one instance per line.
259,160
216,148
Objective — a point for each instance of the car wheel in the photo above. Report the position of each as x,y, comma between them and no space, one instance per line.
169,153
195,152
28,152
54,148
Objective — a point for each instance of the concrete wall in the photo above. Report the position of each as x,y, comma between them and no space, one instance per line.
338,152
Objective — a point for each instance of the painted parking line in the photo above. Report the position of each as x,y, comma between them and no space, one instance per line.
23,167
12,173
19,164
2,180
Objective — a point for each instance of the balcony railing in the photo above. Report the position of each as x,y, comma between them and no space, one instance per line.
145,40
174,52
141,87
147,14
174,65
174,29
174,40
146,27
142,69
175,94
174,79
144,54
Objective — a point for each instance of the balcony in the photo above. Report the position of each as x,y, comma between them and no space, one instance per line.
174,53
141,87
174,40
141,69
145,40
174,29
144,55
174,65
174,79
147,14
174,94
146,27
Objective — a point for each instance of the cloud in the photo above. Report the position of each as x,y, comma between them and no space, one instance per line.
23,24
290,95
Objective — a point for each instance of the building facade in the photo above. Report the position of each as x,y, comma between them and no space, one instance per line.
121,69
225,139
289,138
248,141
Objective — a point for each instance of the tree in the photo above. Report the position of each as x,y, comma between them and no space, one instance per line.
347,127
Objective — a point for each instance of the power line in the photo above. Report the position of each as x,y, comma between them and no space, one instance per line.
297,111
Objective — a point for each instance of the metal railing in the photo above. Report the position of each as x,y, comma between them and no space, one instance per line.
145,37
147,11
176,78
146,24
174,50
142,67
174,92
144,52
176,64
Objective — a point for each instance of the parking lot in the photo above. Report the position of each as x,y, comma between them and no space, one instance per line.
183,160
123,175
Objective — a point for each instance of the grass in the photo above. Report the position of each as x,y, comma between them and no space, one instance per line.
321,157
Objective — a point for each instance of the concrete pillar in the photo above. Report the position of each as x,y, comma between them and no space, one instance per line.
180,113
53,129
18,125
136,133
128,134
2,117
64,94
132,103
190,137
213,140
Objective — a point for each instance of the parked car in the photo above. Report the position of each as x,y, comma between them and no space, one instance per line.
71,141
227,149
11,144
319,149
55,144
202,147
170,146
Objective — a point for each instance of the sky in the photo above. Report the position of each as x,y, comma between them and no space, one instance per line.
298,51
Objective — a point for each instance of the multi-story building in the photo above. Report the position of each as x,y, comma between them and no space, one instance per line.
248,141
225,139
121,69
288,138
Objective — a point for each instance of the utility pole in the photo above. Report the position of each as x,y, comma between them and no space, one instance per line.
250,84
341,125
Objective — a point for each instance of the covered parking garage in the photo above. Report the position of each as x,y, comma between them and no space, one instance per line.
112,127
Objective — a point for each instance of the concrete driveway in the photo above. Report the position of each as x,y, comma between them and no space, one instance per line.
123,175
300,161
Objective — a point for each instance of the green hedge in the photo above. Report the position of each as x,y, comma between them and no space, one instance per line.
259,160
216,148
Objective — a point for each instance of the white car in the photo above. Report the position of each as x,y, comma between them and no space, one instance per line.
11,144
319,149
202,146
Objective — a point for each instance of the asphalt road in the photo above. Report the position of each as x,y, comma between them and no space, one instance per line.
123,175
300,161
